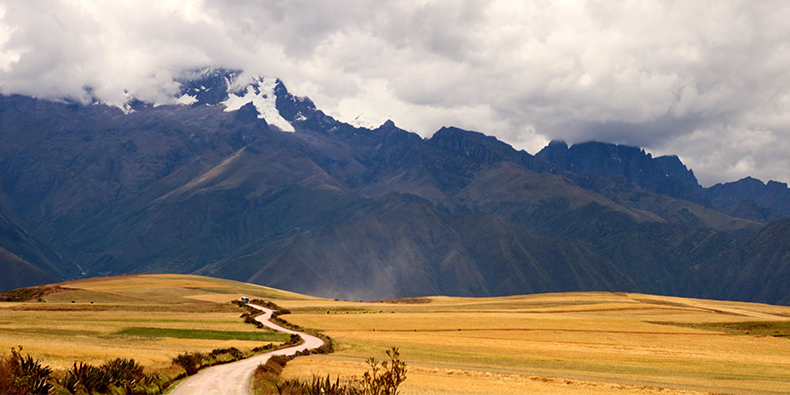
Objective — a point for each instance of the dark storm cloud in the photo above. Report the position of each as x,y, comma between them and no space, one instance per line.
707,81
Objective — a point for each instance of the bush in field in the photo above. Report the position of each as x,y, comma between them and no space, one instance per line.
23,374
117,376
234,353
191,362
382,378
316,385
265,347
385,377
124,372
84,378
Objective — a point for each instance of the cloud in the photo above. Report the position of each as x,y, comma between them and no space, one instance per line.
707,81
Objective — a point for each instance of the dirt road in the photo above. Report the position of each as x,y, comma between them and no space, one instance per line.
234,378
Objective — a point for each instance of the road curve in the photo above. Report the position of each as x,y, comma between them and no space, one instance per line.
234,378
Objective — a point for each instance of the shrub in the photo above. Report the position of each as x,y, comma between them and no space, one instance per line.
85,378
23,374
124,373
117,376
317,385
270,305
265,347
191,362
382,378
234,353
327,348
385,377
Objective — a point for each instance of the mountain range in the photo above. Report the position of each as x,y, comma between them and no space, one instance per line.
238,178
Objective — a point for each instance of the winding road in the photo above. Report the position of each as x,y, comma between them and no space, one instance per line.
234,378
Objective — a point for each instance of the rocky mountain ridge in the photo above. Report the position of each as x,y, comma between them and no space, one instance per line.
747,198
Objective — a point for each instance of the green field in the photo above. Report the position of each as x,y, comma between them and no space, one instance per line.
205,334
572,343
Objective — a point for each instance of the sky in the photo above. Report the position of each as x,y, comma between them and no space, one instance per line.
708,81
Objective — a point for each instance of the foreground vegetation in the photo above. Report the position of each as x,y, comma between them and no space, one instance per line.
163,327
381,378
22,374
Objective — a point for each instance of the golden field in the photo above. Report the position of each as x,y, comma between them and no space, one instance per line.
82,322
573,343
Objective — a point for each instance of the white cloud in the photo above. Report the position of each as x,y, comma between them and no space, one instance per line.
708,81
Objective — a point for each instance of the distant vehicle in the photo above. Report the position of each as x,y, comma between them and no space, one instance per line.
245,299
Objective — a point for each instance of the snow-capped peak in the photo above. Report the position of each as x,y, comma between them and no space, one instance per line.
261,94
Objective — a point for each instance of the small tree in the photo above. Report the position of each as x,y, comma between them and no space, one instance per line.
383,378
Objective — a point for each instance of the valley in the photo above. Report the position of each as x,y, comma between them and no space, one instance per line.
563,343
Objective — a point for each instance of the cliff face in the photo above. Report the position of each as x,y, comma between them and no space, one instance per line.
748,198
665,174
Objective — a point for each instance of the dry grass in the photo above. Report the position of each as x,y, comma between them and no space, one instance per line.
60,332
574,343
592,343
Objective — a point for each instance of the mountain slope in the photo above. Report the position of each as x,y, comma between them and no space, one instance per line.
400,245
756,268
26,262
751,198
240,179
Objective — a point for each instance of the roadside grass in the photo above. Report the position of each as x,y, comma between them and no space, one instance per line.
264,336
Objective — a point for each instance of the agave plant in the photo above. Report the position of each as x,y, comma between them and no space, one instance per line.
123,373
83,377
32,375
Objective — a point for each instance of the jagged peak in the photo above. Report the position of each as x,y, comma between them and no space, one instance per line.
234,89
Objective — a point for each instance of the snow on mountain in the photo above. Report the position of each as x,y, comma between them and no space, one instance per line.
367,121
261,93
186,100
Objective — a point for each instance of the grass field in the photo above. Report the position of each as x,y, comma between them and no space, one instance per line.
577,343
574,343
150,318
